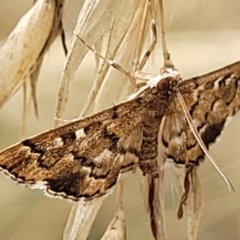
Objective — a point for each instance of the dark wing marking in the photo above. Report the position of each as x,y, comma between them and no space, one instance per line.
82,159
130,149
214,98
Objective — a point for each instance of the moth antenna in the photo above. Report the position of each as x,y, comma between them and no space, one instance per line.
201,143
110,62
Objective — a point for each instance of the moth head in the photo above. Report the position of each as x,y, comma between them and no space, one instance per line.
168,82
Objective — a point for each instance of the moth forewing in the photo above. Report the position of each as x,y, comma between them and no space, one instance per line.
211,99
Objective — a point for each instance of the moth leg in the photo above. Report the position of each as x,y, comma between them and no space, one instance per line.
61,122
168,63
154,38
192,201
110,62
166,55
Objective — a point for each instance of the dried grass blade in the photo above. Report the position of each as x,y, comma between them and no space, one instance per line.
93,21
117,228
22,53
77,227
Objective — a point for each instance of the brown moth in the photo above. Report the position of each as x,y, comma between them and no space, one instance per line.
83,160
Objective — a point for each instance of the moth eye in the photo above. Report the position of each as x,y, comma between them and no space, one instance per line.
173,83
163,84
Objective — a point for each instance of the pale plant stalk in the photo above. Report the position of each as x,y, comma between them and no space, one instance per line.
194,205
117,227
77,226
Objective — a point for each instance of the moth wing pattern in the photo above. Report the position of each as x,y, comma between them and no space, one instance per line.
211,100
80,160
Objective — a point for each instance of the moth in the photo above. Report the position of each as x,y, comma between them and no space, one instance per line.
84,159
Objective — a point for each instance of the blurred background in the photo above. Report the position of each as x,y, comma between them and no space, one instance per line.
202,36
